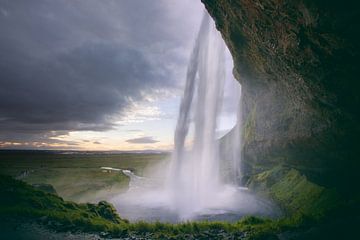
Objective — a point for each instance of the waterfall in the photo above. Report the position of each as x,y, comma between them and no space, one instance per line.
195,173
236,145
194,189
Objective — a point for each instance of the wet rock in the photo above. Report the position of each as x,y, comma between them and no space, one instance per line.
297,62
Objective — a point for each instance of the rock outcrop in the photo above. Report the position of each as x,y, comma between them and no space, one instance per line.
297,62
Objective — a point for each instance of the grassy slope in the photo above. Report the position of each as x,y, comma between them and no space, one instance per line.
20,200
77,177
295,193
311,211
305,203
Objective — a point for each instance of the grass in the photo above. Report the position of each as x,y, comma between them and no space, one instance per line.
295,193
20,200
305,203
77,177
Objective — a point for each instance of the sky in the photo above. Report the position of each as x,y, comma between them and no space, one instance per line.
95,75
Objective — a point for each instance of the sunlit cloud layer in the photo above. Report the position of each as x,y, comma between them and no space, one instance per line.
96,75
142,140
79,74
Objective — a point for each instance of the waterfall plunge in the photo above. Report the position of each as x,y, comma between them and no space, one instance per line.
195,182
194,190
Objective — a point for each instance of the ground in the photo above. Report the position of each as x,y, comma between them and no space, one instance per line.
77,177
313,212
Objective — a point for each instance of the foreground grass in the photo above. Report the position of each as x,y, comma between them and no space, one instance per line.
20,200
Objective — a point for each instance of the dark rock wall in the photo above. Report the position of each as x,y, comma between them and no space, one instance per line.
297,61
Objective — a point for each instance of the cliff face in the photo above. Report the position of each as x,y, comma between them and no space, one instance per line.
297,62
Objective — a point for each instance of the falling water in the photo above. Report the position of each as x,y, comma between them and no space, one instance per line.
236,145
194,189
195,174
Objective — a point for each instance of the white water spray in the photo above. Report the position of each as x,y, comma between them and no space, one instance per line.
195,182
194,190
236,145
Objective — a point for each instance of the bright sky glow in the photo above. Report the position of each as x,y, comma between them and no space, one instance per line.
124,66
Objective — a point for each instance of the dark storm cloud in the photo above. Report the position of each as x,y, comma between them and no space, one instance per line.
78,88
142,140
36,140
74,65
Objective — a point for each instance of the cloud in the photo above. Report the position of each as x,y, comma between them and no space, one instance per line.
81,65
80,89
134,130
49,140
138,113
142,140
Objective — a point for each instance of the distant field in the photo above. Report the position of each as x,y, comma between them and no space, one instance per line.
77,176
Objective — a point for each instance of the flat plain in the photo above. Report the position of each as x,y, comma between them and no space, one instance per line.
77,176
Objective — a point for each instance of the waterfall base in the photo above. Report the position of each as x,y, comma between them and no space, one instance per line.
147,201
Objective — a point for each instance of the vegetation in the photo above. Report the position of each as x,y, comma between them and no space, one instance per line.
249,126
304,203
294,193
76,177
20,200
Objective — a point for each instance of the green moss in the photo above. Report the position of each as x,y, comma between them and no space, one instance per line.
299,196
249,126
18,199
295,193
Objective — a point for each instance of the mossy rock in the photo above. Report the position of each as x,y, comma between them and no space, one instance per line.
294,192
20,200
297,62
48,188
